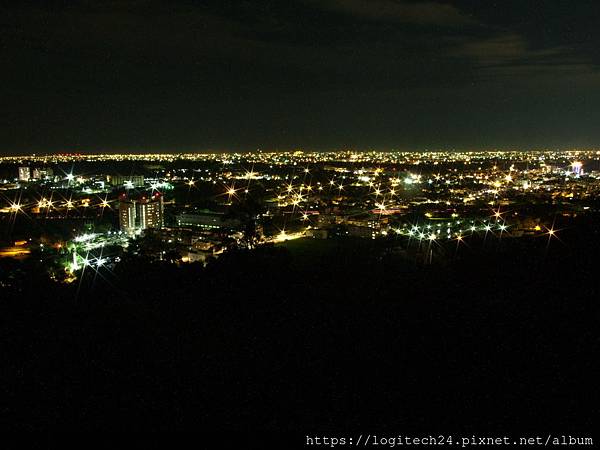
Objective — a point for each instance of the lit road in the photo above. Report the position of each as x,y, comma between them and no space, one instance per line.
14,252
282,237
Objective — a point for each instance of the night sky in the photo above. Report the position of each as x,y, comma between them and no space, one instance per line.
176,75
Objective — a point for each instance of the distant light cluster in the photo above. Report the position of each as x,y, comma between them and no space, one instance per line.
425,198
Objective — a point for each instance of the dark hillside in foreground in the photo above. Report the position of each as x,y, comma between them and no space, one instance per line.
502,336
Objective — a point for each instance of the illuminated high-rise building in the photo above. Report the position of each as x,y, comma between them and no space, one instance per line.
127,216
577,168
150,212
24,173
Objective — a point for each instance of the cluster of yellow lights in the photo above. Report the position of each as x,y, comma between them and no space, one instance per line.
45,203
384,186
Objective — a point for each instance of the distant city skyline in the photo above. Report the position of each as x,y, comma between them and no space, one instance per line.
142,154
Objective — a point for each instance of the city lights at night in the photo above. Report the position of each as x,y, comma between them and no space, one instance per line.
307,223
445,196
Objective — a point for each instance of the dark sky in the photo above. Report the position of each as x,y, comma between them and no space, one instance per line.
315,74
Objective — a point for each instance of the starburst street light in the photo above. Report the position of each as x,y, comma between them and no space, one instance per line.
552,234
44,203
231,192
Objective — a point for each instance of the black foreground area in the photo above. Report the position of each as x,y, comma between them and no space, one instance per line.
502,336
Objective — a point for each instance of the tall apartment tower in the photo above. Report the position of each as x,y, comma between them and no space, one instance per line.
24,173
127,216
150,212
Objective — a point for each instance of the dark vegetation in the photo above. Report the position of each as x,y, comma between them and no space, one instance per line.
340,335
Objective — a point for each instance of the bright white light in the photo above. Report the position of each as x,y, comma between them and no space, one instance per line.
85,237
